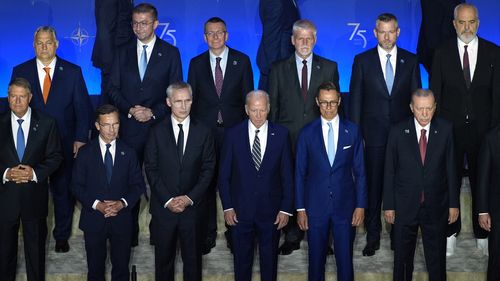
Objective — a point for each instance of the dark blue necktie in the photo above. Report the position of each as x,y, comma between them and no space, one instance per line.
21,145
108,162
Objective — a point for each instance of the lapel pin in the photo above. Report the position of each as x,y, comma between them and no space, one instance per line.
160,54
407,131
35,127
272,134
61,68
235,62
318,67
122,153
402,61
346,131
435,131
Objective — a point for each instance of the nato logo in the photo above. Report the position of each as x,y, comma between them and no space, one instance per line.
80,36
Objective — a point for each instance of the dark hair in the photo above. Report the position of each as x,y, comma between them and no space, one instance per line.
105,109
327,86
214,20
20,82
146,8
422,93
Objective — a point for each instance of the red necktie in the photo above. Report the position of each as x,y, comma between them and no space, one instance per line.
46,84
466,67
304,80
422,144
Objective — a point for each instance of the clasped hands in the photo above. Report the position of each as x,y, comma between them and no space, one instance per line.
20,174
178,204
141,113
110,208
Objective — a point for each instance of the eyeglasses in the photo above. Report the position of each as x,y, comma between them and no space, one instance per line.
108,126
141,24
326,104
212,34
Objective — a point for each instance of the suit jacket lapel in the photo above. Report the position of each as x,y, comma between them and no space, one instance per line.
456,65
8,133
32,134
37,88
431,141
379,75
292,71
400,64
319,140
99,162
411,134
231,66
207,68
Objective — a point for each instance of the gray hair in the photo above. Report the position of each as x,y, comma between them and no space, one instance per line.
420,93
304,24
48,29
464,5
179,85
258,94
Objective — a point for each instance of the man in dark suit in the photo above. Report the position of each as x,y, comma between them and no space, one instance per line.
180,164
421,187
30,151
60,91
488,180
112,19
293,84
256,187
107,180
381,84
464,79
330,185
277,18
141,73
220,79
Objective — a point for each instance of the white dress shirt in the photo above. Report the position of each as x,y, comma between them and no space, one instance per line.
300,65
26,130
471,51
418,129
382,54
149,49
223,61
42,73
185,128
112,151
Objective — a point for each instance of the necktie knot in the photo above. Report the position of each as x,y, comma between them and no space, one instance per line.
20,121
180,126
108,145
47,70
465,47
145,47
304,62
329,125
257,132
388,56
423,132
217,60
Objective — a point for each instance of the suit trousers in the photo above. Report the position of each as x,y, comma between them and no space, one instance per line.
34,236
467,143
434,241
64,202
375,159
185,229
244,234
343,240
96,248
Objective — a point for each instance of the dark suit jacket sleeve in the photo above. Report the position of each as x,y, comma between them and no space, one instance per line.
82,109
390,171
301,163
355,92
152,166
271,30
78,181
136,185
274,93
416,80
287,177
358,169
247,77
436,79
495,111
225,166
207,170
175,75
484,170
53,154
454,180
115,88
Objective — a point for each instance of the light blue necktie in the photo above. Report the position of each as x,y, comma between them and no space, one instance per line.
389,74
144,62
20,140
331,151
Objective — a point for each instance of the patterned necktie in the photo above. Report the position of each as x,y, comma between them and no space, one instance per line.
389,74
144,62
466,68
46,84
256,156
422,144
21,145
219,80
180,143
331,151
108,162
304,79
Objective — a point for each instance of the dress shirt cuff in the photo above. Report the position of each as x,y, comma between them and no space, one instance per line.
227,210
303,209
482,214
166,204
192,203
35,179
125,203
94,206
4,178
288,214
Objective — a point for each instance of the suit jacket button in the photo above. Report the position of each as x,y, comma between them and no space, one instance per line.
141,89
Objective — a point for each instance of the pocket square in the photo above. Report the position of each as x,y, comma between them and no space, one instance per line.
346,147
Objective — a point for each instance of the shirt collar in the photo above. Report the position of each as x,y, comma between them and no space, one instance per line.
52,64
262,128
383,53
184,122
102,143
223,55
419,127
150,43
472,43
308,59
335,121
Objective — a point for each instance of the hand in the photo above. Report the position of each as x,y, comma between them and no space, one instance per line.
281,220
141,113
113,207
175,206
76,147
358,216
390,216
230,217
101,207
485,222
20,174
302,220
453,215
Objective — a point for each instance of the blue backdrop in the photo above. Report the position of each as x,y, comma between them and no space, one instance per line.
344,29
